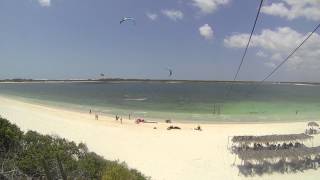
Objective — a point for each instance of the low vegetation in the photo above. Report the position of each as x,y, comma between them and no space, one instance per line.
35,156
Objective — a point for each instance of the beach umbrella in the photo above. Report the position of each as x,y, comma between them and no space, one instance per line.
313,124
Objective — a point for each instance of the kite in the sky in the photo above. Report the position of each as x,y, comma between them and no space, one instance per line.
125,19
102,75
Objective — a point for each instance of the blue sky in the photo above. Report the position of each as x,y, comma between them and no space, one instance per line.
198,39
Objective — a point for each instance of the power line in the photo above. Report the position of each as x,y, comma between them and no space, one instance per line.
246,49
288,57
243,56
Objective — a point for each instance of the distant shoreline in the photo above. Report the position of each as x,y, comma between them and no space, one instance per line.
146,80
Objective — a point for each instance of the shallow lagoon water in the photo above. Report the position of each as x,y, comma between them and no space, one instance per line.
181,101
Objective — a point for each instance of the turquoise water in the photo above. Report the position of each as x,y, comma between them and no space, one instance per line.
181,101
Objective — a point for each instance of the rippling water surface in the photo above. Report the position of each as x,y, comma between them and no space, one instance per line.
182,101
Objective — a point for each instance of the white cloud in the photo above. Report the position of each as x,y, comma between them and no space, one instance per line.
45,3
279,43
173,14
277,57
206,31
152,16
292,9
261,54
236,41
209,6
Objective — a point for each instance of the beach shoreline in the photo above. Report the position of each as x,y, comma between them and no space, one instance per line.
159,153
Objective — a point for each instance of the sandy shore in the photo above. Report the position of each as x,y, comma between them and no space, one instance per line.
164,155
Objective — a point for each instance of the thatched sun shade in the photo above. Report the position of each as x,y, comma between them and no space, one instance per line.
271,138
313,124
293,153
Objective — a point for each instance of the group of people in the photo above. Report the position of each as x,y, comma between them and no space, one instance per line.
311,131
119,118
96,116
267,146
281,166
257,146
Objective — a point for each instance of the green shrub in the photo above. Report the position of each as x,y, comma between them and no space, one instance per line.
120,171
49,157
10,136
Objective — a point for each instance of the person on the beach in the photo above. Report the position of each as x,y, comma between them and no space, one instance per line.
96,117
129,116
121,120
198,128
90,111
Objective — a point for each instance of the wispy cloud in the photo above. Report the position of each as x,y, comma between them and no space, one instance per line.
152,16
209,6
270,64
173,14
45,3
261,54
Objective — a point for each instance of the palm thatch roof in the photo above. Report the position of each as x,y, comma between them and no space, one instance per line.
292,154
313,124
271,138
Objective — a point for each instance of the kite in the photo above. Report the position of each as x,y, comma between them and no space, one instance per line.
128,19
170,72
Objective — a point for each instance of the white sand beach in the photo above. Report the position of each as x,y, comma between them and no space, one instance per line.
183,154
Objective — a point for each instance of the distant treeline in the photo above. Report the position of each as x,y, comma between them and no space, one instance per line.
31,155
148,80
16,80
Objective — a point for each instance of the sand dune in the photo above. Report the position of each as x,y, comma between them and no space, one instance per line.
164,155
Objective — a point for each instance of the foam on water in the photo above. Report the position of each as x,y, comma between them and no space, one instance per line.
136,99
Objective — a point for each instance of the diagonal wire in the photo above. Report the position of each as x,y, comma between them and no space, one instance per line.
287,58
246,49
